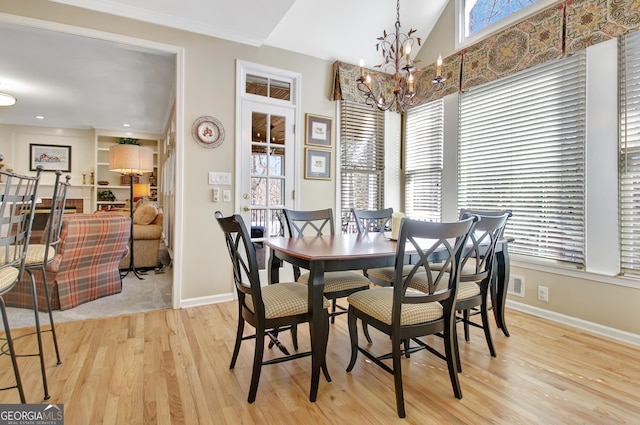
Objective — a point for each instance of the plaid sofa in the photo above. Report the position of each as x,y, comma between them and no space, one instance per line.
86,265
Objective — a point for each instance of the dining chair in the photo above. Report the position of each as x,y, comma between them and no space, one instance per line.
41,254
337,284
476,274
494,286
376,221
406,314
17,209
269,309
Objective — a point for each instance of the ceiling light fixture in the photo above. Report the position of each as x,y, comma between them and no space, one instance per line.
396,52
7,100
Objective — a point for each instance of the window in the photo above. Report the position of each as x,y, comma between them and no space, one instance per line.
521,147
267,87
361,160
629,166
478,18
424,132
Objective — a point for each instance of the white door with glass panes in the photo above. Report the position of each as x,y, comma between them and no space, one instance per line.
266,171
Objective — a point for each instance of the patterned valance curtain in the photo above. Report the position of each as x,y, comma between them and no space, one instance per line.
553,33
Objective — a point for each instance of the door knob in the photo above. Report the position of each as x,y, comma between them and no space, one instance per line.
246,208
245,196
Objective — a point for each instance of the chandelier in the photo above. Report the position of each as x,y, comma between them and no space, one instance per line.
396,54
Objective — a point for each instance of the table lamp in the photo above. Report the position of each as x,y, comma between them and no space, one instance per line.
130,160
141,190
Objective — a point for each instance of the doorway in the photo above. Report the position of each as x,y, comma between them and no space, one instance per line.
266,152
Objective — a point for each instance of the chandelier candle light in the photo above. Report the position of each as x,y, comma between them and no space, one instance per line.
396,52
439,79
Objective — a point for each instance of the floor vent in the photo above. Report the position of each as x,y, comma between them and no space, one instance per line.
516,285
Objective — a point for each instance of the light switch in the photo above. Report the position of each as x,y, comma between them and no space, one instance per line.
226,195
220,178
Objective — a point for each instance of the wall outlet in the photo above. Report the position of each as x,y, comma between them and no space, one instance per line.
543,293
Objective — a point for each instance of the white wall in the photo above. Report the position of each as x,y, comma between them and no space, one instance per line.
14,145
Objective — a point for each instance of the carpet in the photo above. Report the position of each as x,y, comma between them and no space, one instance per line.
151,293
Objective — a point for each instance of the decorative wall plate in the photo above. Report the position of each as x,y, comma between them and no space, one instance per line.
208,132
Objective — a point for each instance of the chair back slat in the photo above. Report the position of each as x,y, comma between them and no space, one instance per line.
243,259
372,220
17,209
309,223
480,252
58,205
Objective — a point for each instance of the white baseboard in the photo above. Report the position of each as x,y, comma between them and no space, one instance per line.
605,331
213,299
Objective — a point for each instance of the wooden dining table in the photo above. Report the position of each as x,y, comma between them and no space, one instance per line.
351,251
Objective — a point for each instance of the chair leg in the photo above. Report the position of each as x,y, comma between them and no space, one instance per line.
453,359
397,374
12,353
456,348
353,336
325,370
39,336
257,365
333,310
51,324
294,335
465,321
365,331
236,348
484,313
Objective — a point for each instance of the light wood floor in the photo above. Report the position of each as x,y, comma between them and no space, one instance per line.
172,367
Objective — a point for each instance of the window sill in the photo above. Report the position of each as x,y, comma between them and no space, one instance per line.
564,269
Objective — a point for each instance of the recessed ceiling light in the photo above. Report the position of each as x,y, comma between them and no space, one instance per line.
39,117
126,125
7,99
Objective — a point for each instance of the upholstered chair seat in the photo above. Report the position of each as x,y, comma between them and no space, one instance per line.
465,289
340,281
378,302
384,275
284,299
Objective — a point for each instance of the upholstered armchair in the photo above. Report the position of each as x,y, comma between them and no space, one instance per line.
85,267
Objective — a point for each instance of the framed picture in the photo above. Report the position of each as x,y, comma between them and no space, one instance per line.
51,157
318,130
317,164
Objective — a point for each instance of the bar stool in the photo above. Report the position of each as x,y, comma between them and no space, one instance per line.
39,256
17,208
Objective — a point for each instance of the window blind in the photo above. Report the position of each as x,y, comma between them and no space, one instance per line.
361,160
629,166
521,147
423,159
